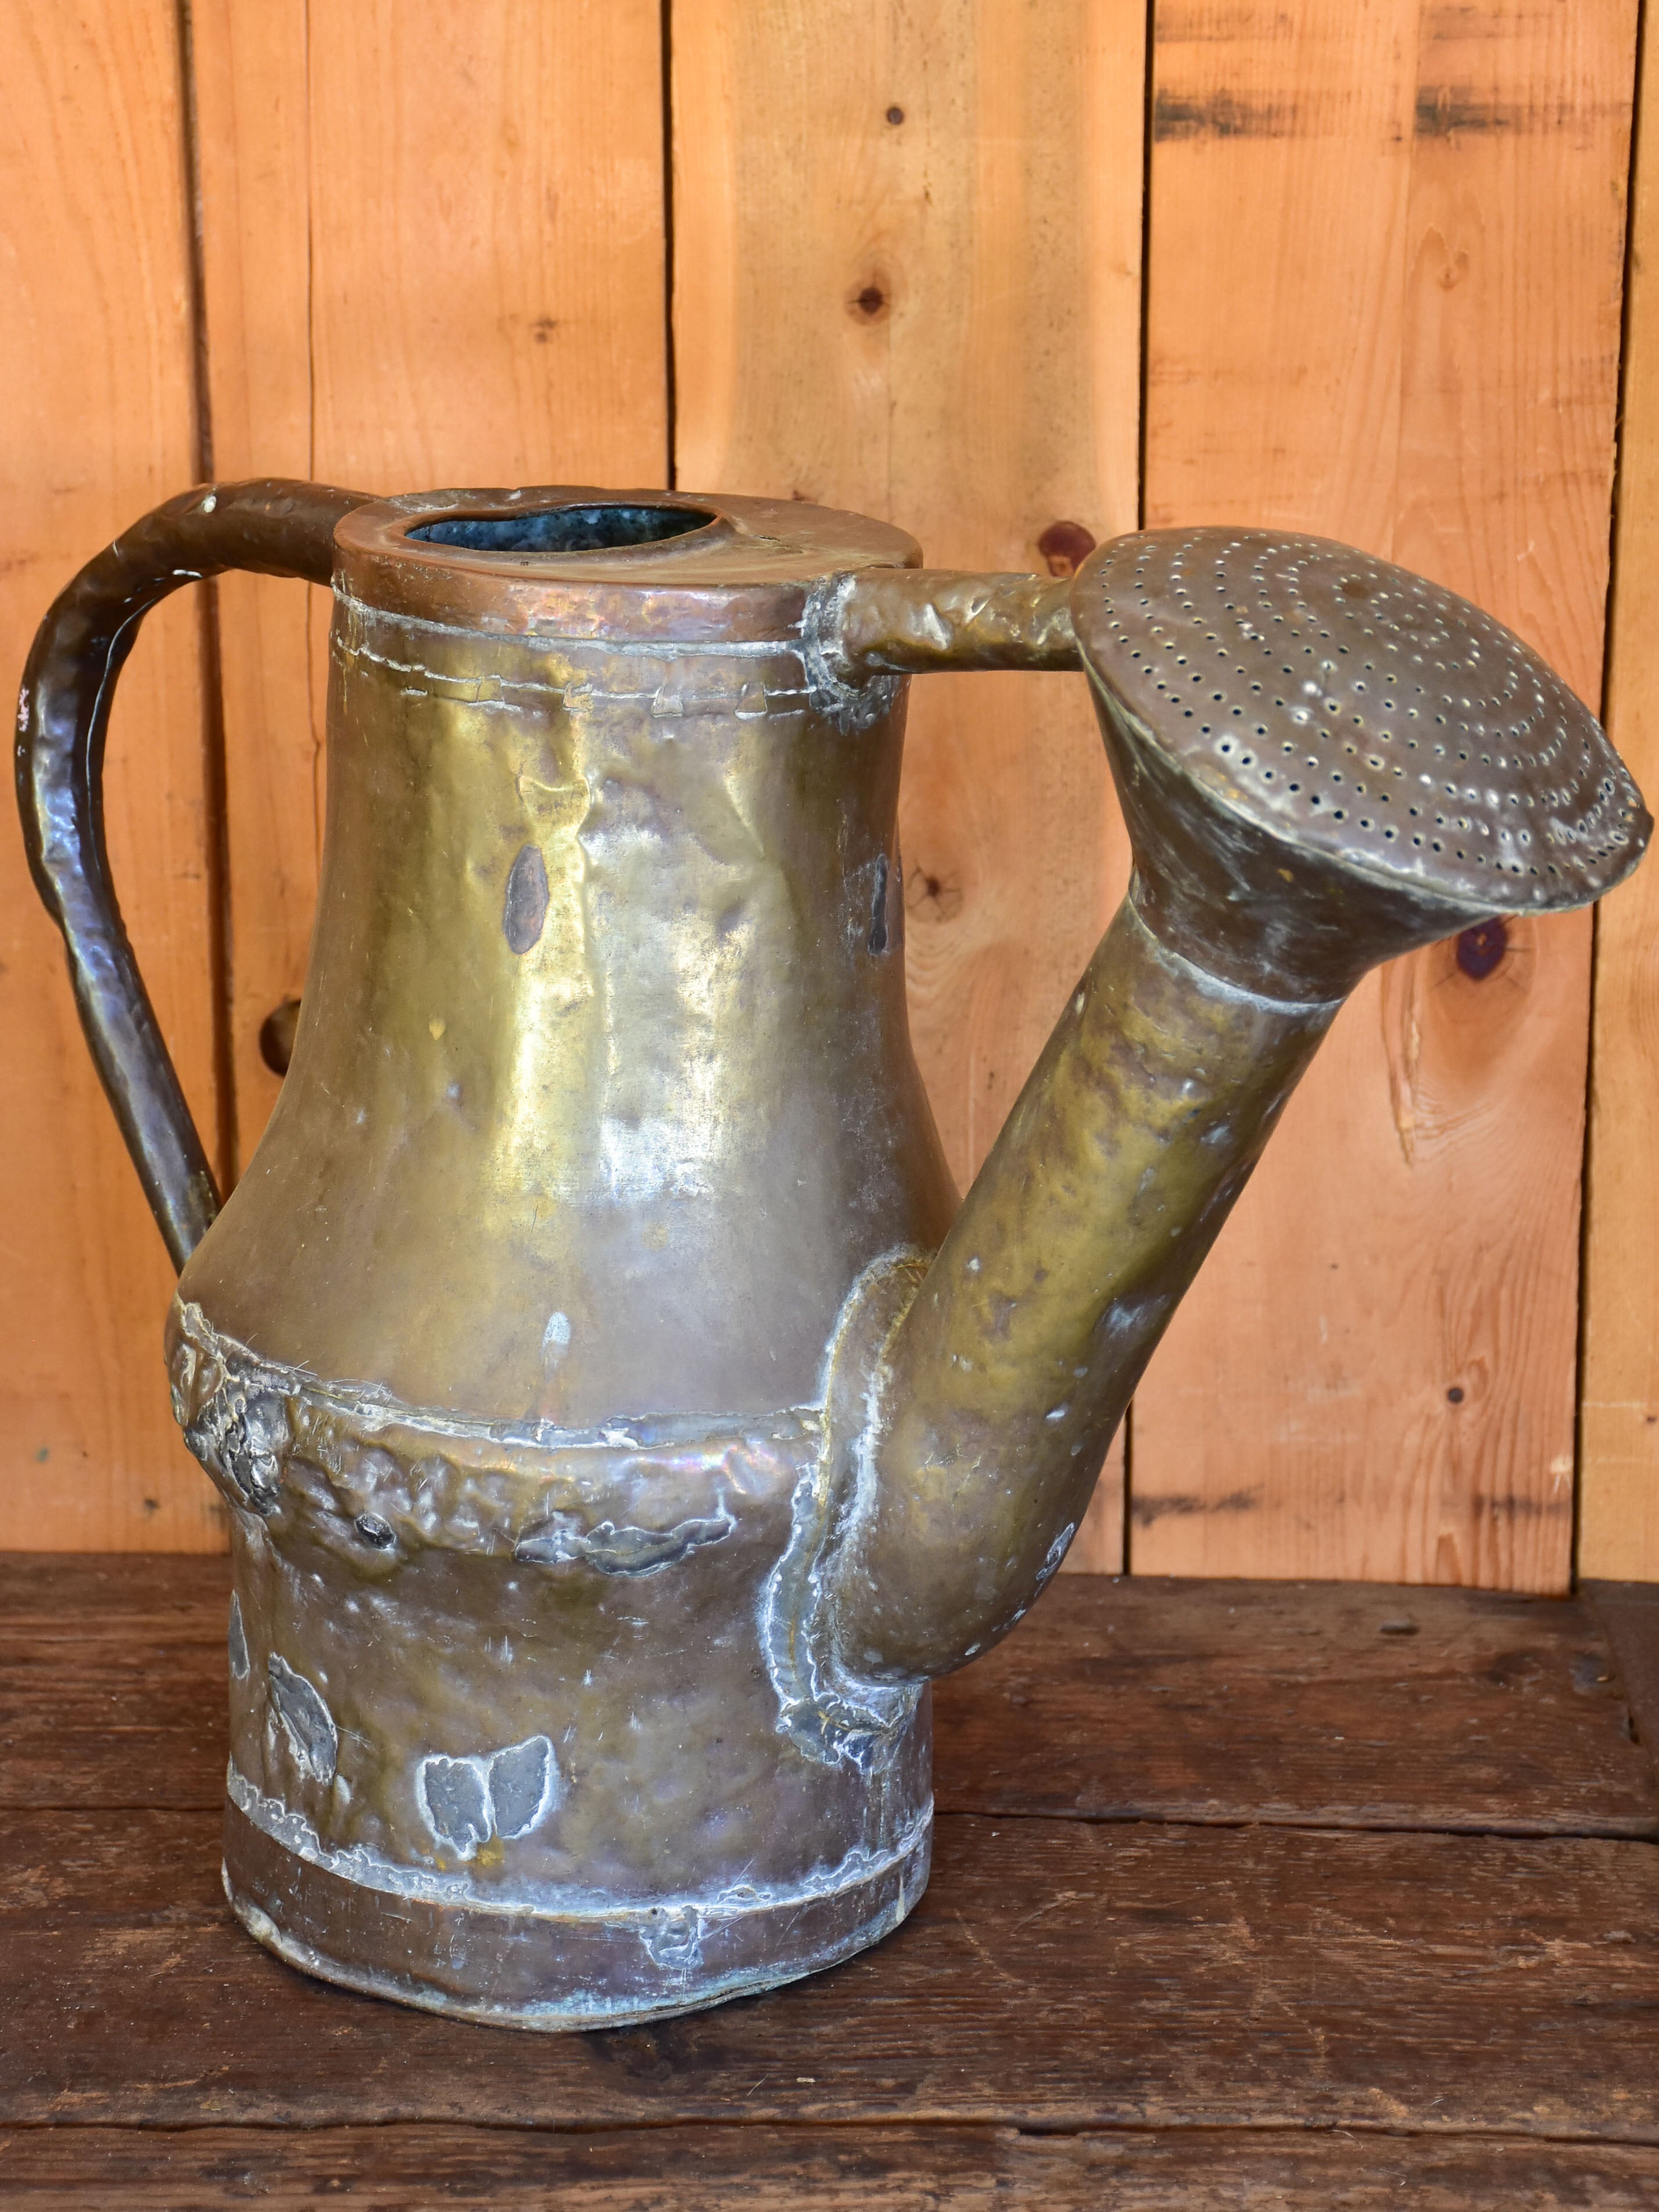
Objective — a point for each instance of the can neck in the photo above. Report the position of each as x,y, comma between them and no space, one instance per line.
575,561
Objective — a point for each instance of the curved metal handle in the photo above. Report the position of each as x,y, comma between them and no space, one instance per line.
276,527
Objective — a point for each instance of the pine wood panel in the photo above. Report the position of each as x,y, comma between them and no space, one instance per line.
1384,296
433,243
253,152
97,425
907,281
1618,1466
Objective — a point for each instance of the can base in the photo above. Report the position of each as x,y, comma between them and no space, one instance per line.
520,1965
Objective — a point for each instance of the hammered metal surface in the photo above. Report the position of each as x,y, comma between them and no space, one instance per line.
1362,711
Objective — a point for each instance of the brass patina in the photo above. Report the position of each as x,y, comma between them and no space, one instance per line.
620,1421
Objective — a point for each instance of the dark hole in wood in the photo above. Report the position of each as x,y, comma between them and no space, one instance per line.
594,529
896,115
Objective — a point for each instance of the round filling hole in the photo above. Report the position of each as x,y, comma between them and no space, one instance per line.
596,529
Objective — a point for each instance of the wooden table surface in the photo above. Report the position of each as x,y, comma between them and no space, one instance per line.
1245,1894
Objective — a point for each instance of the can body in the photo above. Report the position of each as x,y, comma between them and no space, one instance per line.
508,1353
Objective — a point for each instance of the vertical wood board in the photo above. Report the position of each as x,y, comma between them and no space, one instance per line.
98,425
1384,297
907,281
1619,1475
435,250
432,249
251,60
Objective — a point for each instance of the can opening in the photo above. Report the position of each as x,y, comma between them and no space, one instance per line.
594,529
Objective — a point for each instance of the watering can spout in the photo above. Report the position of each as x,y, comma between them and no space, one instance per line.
1324,762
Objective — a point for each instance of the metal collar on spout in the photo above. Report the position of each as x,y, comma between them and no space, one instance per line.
916,621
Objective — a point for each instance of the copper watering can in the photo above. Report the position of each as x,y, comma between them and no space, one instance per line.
620,1421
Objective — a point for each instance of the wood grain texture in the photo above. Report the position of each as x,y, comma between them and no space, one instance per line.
1323,1706
841,2169
1619,1416
907,281
1056,1974
1118,1700
98,424
433,243
487,242
1384,296
113,1680
1218,2019
1384,292
254,156
1627,1616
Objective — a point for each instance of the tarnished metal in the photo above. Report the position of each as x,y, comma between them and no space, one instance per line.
277,528
620,1423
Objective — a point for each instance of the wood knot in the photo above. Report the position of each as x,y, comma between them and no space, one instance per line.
1481,949
934,898
1065,546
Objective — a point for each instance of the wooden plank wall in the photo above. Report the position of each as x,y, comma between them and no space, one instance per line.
907,264
1363,276
393,298
1618,1500
98,422
432,246
1386,254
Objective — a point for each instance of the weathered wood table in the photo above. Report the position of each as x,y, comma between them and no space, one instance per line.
1244,1895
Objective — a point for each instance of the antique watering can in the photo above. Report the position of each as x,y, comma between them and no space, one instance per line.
620,1421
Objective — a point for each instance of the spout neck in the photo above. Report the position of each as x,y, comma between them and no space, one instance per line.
999,1390
914,621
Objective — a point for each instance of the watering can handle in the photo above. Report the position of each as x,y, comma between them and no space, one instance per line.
275,526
